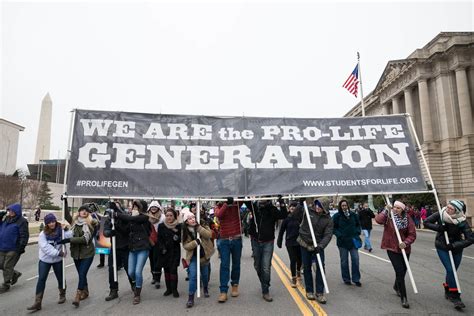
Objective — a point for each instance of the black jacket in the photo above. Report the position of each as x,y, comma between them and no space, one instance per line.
291,226
121,232
365,218
322,226
460,236
265,215
169,248
139,226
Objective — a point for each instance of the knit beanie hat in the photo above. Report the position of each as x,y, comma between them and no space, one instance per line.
49,218
318,204
399,204
458,205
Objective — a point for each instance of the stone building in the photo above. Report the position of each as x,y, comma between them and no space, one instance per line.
435,85
9,136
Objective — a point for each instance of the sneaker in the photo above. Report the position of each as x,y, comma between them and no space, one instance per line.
294,281
15,277
310,296
370,250
222,297
100,265
267,297
358,284
4,288
347,283
321,298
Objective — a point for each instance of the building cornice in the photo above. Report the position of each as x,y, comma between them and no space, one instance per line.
11,124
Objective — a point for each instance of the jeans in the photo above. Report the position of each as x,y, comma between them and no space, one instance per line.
193,275
344,255
444,257
307,258
400,268
136,262
262,262
229,248
294,252
43,271
367,243
122,261
82,267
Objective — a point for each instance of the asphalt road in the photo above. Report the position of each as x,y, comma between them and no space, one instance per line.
375,297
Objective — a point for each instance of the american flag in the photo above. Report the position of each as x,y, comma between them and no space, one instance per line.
352,83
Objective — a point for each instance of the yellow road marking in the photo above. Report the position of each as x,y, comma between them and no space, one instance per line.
317,308
301,305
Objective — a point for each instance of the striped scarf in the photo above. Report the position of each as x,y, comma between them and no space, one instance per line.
401,221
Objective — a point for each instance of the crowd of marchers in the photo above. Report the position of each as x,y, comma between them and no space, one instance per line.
168,237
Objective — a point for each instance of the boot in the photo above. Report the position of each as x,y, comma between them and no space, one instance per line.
293,282
15,277
132,286
77,298
235,290
174,288
85,293
222,297
62,296
395,288
206,292
190,302
168,291
37,305
405,302
455,298
112,295
5,288
446,291
136,298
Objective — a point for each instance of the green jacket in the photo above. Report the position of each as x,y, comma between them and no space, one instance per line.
346,228
80,249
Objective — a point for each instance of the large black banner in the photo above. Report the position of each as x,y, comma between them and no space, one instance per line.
119,154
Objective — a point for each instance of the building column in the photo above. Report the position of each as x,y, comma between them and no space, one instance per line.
384,109
425,110
464,101
395,106
409,102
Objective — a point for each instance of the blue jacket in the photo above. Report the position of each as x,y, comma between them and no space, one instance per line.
13,231
346,228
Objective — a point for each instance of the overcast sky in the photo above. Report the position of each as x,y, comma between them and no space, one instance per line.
252,58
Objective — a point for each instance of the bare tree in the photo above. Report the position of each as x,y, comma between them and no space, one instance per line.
9,190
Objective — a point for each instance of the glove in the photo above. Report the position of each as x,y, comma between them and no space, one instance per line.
442,228
113,232
230,200
318,249
64,241
61,253
280,198
449,247
198,241
21,250
279,244
2,213
402,245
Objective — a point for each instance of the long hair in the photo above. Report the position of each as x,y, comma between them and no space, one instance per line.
48,231
88,220
339,207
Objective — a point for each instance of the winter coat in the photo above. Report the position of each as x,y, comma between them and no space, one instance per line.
169,249
265,216
139,228
121,233
460,236
80,248
48,251
346,228
14,232
291,226
190,244
322,226
389,237
365,218
229,219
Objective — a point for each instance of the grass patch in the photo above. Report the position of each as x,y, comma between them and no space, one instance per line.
34,229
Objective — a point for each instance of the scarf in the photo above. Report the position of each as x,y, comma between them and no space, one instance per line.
401,221
85,228
135,213
456,219
56,235
347,213
172,226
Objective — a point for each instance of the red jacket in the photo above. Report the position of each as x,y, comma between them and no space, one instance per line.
389,238
229,219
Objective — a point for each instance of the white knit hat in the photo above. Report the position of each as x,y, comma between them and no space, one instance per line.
154,204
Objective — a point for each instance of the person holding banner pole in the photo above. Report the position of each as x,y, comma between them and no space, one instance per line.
139,245
347,230
314,236
156,218
52,255
229,245
398,235
262,237
119,231
82,248
451,221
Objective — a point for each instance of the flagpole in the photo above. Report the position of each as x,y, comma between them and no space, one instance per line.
361,90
